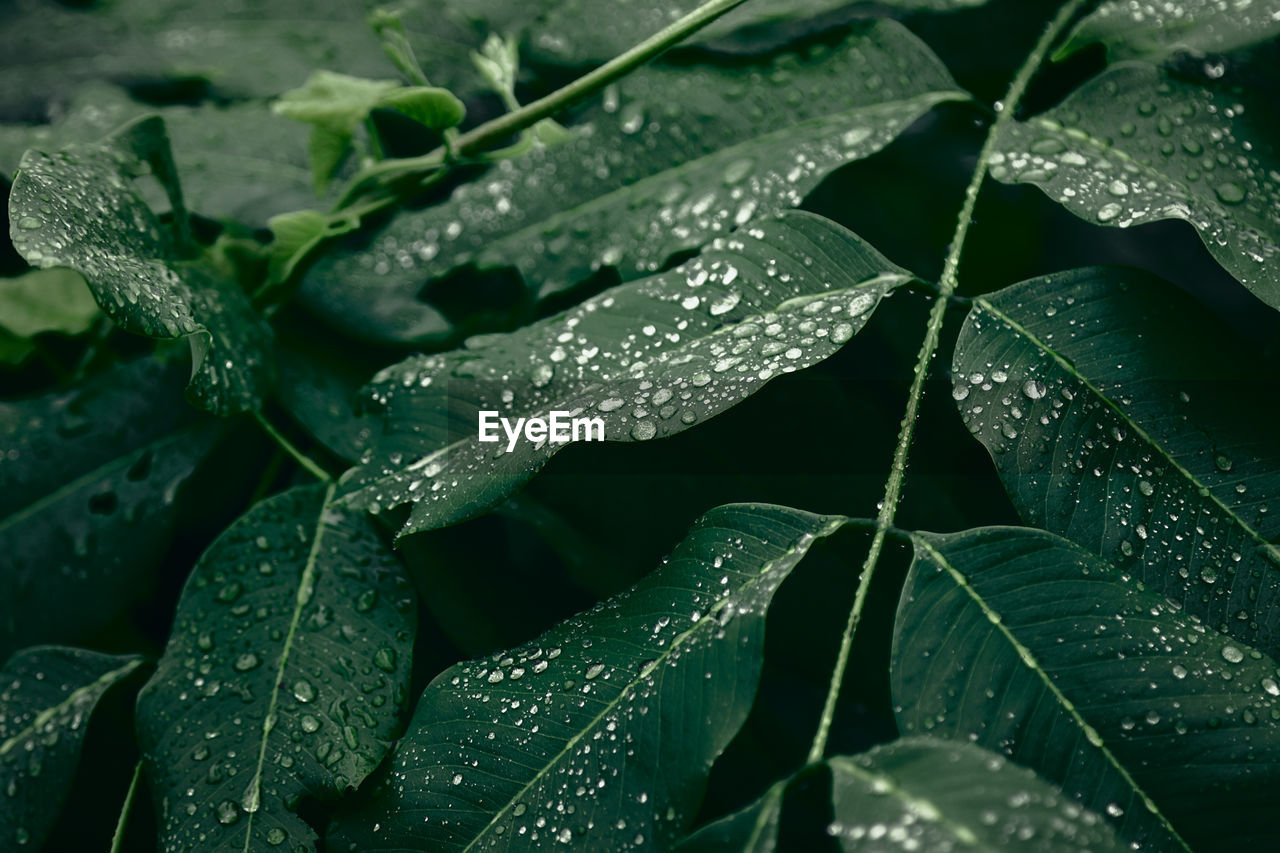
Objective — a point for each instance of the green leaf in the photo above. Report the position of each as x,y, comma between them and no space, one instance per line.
88,498
46,301
46,696
601,731
431,106
649,359
285,676
1136,146
1119,416
753,829
921,793
338,103
675,157
1153,30
238,161
587,32
1023,642
77,208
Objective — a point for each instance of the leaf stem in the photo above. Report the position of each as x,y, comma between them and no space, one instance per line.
491,132
301,458
117,839
928,348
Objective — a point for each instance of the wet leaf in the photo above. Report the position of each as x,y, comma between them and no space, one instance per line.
1123,417
673,158
77,208
1153,29
647,359
601,731
1135,146
921,793
47,694
88,496
237,161
1022,642
285,676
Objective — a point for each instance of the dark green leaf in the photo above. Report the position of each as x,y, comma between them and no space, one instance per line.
78,208
601,731
237,161
649,359
285,676
753,829
1122,417
1136,146
46,696
46,301
87,498
675,157
1023,642
1150,29
932,795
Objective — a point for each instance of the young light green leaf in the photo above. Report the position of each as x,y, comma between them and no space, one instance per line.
1153,29
647,359
921,793
1118,416
675,157
47,694
285,676
1023,642
78,208
88,498
1136,146
753,829
333,101
600,732
430,106
41,301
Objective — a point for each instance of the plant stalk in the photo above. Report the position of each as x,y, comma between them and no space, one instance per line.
301,458
117,839
928,348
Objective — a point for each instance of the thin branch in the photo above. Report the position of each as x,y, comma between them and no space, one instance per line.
301,458
117,840
937,313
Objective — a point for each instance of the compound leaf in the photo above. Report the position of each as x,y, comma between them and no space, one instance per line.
601,731
1122,417
648,359
46,696
1022,642
922,793
77,208
675,157
285,675
1136,146
1149,29
88,498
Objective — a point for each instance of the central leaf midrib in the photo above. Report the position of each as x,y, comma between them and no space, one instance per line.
306,582
801,545
1031,662
1201,488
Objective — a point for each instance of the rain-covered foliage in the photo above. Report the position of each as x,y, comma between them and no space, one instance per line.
934,346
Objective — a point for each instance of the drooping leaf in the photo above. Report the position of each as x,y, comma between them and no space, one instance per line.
648,359
237,162
429,106
88,491
251,49
42,301
1124,418
752,829
921,793
1136,146
285,676
77,208
1151,29
585,32
1025,643
600,732
46,696
674,157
